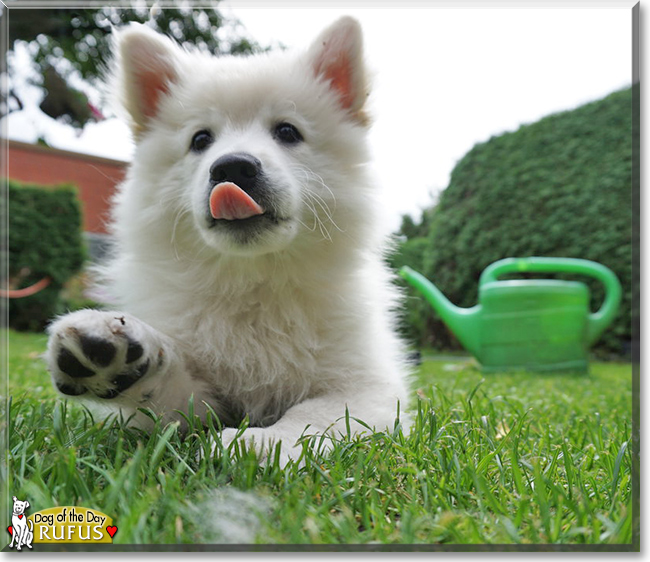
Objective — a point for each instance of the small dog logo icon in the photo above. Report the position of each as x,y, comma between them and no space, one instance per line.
22,530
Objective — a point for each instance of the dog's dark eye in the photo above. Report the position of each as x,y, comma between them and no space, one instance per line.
201,140
286,133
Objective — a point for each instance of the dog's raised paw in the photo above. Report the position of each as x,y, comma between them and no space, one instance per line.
99,354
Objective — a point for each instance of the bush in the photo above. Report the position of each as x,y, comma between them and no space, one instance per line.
44,240
559,187
415,320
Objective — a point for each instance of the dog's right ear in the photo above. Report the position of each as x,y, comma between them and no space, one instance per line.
15,498
146,68
336,56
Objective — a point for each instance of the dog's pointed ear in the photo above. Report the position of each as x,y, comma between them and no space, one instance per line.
14,498
26,504
146,67
337,57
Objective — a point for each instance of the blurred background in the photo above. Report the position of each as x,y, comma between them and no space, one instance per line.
497,133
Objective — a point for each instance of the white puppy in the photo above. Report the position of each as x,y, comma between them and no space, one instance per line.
249,265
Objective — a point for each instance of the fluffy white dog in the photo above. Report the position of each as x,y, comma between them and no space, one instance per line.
249,247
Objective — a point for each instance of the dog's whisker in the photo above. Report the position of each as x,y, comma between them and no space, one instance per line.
322,183
325,232
317,220
317,198
323,205
306,227
323,229
310,174
313,212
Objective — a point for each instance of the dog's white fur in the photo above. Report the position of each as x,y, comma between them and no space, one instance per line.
290,330
22,529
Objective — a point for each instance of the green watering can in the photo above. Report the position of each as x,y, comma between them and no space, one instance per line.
531,324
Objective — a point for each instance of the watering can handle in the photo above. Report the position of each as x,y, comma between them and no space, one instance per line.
599,320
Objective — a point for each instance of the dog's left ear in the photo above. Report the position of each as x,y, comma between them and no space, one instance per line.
26,504
337,57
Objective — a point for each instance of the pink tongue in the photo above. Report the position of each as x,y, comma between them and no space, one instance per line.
229,201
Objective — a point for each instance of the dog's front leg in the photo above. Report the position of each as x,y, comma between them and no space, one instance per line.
117,359
332,414
20,540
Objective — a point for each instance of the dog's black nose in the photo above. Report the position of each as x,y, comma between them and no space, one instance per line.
239,168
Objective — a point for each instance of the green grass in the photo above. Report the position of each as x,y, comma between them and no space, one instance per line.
499,459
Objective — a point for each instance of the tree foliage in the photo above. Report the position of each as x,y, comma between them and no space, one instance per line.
67,41
559,187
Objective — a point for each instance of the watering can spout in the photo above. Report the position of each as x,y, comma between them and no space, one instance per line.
460,320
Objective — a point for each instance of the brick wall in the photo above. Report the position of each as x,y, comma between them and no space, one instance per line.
95,177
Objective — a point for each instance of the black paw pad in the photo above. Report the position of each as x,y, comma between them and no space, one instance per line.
122,382
125,380
109,394
70,389
99,351
71,366
134,351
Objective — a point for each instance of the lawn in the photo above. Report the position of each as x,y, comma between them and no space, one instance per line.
500,459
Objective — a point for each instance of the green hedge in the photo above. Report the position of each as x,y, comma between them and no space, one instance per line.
44,239
558,187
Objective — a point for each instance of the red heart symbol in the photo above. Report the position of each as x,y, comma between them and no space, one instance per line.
111,530
10,529
20,517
